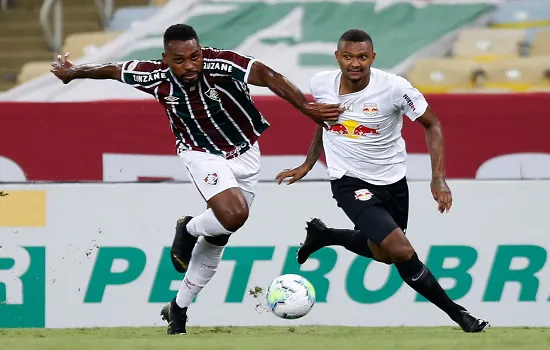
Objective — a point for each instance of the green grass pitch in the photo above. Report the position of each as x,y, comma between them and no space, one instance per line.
266,338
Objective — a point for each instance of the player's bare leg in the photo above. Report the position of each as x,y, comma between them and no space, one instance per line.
198,247
418,277
227,212
396,249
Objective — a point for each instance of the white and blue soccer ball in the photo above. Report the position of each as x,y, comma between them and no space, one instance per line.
290,296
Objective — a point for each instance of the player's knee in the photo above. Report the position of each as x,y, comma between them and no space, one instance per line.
402,253
233,218
379,255
397,247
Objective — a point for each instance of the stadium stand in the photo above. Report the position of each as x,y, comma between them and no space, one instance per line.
488,44
25,53
126,17
512,54
521,14
507,52
445,74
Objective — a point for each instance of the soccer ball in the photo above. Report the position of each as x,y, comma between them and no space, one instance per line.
290,296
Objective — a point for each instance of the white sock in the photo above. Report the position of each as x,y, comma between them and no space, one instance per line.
202,267
207,223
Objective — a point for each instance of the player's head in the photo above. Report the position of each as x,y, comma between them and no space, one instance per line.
182,52
355,54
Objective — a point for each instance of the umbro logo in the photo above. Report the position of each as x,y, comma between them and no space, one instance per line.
171,100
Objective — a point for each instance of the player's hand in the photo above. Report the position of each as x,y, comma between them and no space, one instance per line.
60,68
441,193
294,174
322,112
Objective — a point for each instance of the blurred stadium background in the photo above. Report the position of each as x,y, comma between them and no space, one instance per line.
483,65
441,46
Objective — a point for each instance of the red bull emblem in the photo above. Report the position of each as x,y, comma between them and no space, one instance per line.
363,195
339,129
352,129
370,109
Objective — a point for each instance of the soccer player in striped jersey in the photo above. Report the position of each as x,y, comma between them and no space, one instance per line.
216,125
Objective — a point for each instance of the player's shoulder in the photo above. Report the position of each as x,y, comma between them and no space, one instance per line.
386,77
390,82
144,66
323,79
210,52
144,72
325,76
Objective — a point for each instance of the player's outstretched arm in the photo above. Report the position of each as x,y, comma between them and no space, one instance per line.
436,146
313,155
262,75
66,71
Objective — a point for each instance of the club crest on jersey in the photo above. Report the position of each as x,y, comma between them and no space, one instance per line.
212,94
370,109
211,179
363,195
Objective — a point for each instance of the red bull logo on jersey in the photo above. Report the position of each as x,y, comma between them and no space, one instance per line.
352,129
370,109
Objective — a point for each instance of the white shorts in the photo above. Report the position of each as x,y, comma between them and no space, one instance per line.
213,174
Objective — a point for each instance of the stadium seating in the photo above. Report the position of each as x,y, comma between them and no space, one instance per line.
442,75
489,44
31,70
540,46
517,74
126,17
511,54
522,14
26,55
79,44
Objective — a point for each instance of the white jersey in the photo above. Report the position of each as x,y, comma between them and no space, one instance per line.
366,140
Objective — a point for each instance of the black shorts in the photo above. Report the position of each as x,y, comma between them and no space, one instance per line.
375,209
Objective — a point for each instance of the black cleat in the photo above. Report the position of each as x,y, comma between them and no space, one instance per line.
314,239
176,317
183,245
469,323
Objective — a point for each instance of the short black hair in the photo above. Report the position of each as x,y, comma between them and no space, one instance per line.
356,36
181,32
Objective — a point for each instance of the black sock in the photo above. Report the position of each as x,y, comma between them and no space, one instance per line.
419,278
352,240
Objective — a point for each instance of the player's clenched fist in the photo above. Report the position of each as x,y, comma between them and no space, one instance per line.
60,68
321,112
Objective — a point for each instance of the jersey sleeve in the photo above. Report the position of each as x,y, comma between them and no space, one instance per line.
408,99
143,75
229,63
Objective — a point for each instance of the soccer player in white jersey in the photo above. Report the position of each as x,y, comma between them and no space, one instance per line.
204,92
366,157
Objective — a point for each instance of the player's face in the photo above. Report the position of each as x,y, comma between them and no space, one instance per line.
355,59
184,59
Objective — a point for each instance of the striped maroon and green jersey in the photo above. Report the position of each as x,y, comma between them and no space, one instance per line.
217,115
